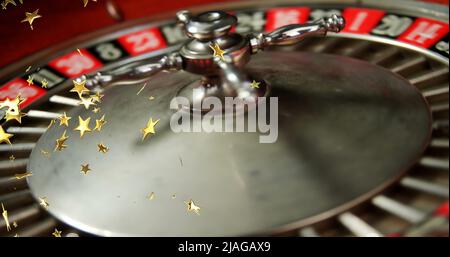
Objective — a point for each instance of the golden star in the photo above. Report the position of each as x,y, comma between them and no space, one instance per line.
4,137
23,175
43,202
99,123
60,143
85,169
5,217
255,84
6,2
192,207
86,102
218,52
30,80
102,148
149,129
56,233
12,157
44,83
95,110
30,17
79,87
15,116
97,98
13,106
64,120
85,2
83,126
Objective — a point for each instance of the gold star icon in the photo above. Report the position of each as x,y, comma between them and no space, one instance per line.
30,17
12,157
218,52
85,169
4,137
56,233
254,84
95,110
6,2
44,83
99,123
192,207
64,120
5,217
97,98
30,80
15,116
13,106
79,87
43,202
86,102
102,148
85,2
60,143
83,126
151,196
149,129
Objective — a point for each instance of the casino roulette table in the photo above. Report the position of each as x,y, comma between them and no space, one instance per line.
362,146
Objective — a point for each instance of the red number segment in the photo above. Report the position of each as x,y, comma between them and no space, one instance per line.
75,64
424,32
143,41
19,86
279,17
361,20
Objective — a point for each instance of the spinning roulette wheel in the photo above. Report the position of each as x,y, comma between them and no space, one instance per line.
362,146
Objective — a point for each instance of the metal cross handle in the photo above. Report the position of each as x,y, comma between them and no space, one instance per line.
213,30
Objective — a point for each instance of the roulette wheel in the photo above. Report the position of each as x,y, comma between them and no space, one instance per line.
362,121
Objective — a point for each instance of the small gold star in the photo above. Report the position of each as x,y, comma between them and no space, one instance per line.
85,2
6,2
192,207
99,123
30,80
83,126
64,120
79,87
151,196
56,233
60,142
43,202
15,224
23,175
45,153
102,148
85,169
97,98
4,137
13,106
255,84
149,129
86,102
5,217
44,83
12,157
218,52
15,116
95,110
30,17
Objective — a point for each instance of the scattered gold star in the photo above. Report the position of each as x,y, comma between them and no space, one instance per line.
83,126
79,51
192,207
56,233
64,120
85,169
44,83
23,175
218,52
142,88
45,153
30,80
60,142
5,217
30,17
51,124
151,196
255,84
97,98
79,87
85,2
28,69
43,202
15,116
4,137
86,102
149,129
6,2
99,123
102,148
15,224
12,157
95,110
13,106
